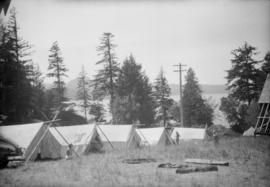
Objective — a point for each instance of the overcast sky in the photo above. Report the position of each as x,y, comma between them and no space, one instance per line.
198,34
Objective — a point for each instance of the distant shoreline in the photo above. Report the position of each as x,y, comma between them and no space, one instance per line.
71,88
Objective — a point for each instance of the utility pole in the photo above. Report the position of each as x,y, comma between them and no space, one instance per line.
180,70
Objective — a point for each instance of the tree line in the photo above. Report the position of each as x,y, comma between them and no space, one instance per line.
133,98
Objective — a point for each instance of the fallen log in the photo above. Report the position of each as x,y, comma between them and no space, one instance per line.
192,169
208,162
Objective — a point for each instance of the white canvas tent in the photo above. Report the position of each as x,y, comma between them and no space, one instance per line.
154,136
25,136
120,136
188,133
84,139
249,132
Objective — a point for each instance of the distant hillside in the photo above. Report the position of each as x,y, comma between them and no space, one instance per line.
206,88
71,88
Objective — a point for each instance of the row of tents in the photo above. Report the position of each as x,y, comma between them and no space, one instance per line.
37,140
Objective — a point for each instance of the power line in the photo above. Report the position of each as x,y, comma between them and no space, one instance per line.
180,70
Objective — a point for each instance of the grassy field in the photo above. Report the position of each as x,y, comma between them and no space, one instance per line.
249,160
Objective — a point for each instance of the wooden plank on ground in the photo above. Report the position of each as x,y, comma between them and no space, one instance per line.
208,162
196,169
16,158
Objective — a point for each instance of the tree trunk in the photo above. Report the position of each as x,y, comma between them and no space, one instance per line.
111,80
164,117
84,98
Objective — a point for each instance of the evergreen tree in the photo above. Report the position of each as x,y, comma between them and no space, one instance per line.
134,95
146,101
97,110
197,112
125,105
15,70
126,109
83,91
261,76
50,99
97,93
162,97
57,69
235,112
174,111
243,76
266,64
106,77
38,97
245,82
7,72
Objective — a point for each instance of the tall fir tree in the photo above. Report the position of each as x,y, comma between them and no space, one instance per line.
197,112
7,72
126,106
106,77
57,70
174,111
134,95
49,102
243,76
245,83
83,91
16,69
161,95
38,98
147,104
126,109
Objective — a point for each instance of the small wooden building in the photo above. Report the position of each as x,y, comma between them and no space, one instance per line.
263,121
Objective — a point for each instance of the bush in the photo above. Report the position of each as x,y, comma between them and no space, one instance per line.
69,118
235,113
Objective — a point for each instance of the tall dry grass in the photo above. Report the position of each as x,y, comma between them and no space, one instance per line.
249,166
